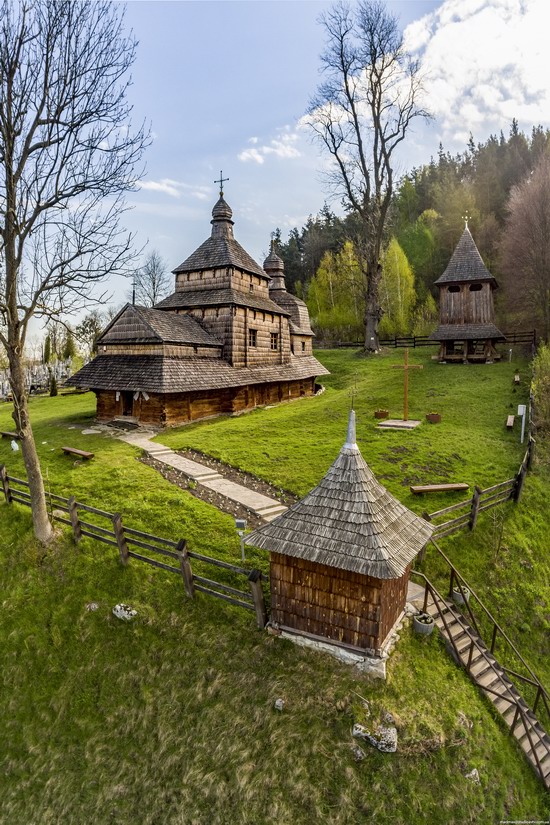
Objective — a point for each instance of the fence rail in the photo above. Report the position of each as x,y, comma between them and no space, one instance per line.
124,538
414,341
483,500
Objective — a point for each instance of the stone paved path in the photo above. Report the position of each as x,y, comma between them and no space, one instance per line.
263,506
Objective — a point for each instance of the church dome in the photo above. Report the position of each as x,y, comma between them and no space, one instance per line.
222,211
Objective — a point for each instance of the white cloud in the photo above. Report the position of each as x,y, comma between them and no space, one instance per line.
486,63
283,146
176,188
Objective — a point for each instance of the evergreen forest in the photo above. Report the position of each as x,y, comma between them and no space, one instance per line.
502,186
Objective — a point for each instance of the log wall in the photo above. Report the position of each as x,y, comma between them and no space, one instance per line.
223,278
466,306
171,409
166,350
339,605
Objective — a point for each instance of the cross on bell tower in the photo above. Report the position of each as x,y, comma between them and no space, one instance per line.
221,181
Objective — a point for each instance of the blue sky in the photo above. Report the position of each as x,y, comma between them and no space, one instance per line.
224,85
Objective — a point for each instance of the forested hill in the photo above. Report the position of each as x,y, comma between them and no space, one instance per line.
495,183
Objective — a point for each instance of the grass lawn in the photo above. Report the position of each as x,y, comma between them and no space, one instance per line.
170,719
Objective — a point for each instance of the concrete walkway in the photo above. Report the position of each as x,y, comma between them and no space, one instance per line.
263,506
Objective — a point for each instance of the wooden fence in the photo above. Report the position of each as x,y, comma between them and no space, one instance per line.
81,519
482,499
528,337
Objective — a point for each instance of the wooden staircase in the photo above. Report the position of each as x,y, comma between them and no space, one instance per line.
469,650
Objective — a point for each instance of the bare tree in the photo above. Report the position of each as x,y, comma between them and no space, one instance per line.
360,114
67,156
525,248
152,281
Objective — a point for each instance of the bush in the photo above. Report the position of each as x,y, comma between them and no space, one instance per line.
541,387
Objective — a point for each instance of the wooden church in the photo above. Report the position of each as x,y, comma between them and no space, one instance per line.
466,331
228,339
340,559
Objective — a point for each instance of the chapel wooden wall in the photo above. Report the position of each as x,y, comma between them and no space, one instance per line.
338,605
179,408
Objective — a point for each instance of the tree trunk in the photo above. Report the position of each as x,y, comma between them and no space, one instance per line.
41,522
371,331
373,312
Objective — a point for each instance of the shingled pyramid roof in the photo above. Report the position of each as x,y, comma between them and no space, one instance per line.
221,249
349,521
466,263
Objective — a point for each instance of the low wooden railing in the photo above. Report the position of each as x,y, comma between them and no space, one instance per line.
441,606
482,500
68,511
490,631
523,337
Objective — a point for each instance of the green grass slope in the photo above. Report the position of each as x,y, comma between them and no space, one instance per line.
170,719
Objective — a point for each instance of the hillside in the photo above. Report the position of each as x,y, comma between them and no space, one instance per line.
170,719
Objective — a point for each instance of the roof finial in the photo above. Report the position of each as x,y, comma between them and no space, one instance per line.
351,440
221,181
466,218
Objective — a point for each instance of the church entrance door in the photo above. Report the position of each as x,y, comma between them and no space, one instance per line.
127,403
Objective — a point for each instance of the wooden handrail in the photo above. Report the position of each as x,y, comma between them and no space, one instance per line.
516,702
489,615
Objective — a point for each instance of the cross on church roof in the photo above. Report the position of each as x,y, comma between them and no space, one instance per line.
221,181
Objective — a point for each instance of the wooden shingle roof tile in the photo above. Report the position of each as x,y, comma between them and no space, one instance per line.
155,373
349,521
467,332
220,297
143,324
466,263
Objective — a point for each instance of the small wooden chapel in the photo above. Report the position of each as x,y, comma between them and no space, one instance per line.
228,339
340,559
466,331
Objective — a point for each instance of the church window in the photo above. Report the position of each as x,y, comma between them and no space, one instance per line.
475,288
252,337
454,288
275,341
303,346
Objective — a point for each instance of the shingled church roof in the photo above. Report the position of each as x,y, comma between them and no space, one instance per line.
221,249
348,521
143,324
466,263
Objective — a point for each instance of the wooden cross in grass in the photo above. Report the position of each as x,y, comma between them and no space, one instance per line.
407,367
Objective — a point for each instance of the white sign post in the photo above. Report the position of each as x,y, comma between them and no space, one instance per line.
522,409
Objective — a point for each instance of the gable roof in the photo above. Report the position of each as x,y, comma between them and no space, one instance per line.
143,324
466,263
348,521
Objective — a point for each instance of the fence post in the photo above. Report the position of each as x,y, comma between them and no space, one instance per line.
120,540
518,487
474,510
530,451
5,483
255,582
75,523
185,566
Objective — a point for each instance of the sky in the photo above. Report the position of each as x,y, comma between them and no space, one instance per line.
224,85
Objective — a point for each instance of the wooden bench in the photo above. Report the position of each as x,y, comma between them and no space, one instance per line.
10,435
418,489
79,453
510,422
